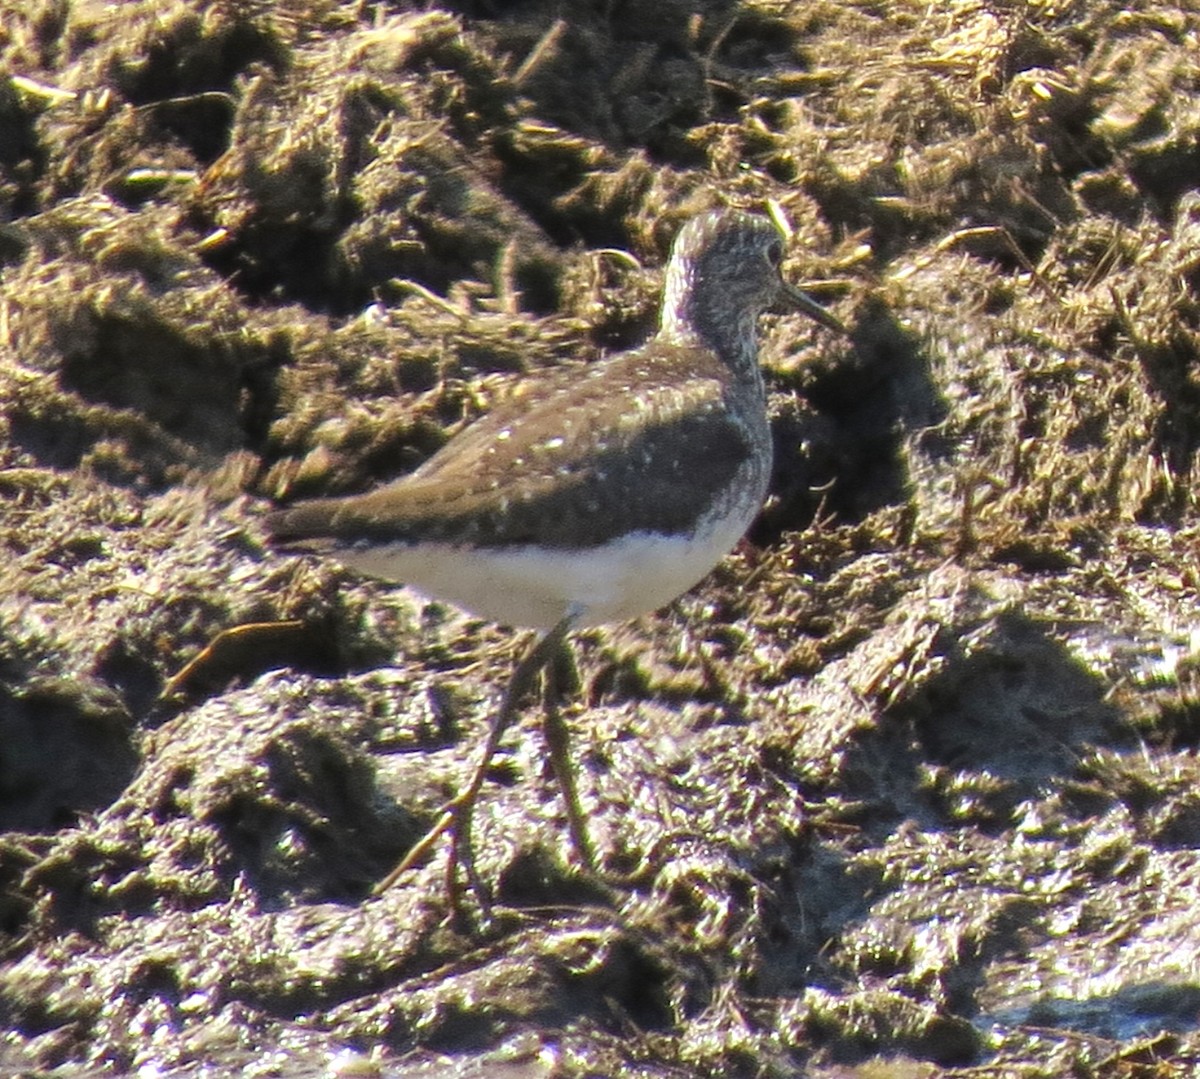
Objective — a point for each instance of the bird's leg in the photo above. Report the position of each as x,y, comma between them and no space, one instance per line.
539,657
456,814
558,742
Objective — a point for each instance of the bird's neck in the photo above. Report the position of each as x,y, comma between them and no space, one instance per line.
698,315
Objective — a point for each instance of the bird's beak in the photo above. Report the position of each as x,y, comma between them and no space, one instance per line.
803,302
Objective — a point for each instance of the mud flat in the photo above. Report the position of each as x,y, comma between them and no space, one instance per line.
908,787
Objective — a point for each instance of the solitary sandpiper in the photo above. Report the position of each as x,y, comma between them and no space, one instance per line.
602,492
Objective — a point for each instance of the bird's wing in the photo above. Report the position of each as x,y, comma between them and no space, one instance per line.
641,442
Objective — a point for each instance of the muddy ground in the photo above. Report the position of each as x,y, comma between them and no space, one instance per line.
908,787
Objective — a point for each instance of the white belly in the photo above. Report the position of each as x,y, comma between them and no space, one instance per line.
536,587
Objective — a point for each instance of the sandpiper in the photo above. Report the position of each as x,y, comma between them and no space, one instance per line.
601,492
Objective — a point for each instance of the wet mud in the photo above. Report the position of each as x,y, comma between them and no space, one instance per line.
907,787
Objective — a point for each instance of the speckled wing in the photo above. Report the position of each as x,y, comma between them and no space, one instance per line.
644,441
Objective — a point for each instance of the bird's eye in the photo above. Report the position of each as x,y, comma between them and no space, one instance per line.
775,253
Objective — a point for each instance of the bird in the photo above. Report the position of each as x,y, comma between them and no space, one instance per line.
599,492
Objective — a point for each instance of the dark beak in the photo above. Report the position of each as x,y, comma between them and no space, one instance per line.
803,302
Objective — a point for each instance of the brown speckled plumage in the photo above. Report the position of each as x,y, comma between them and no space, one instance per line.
600,492
661,441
